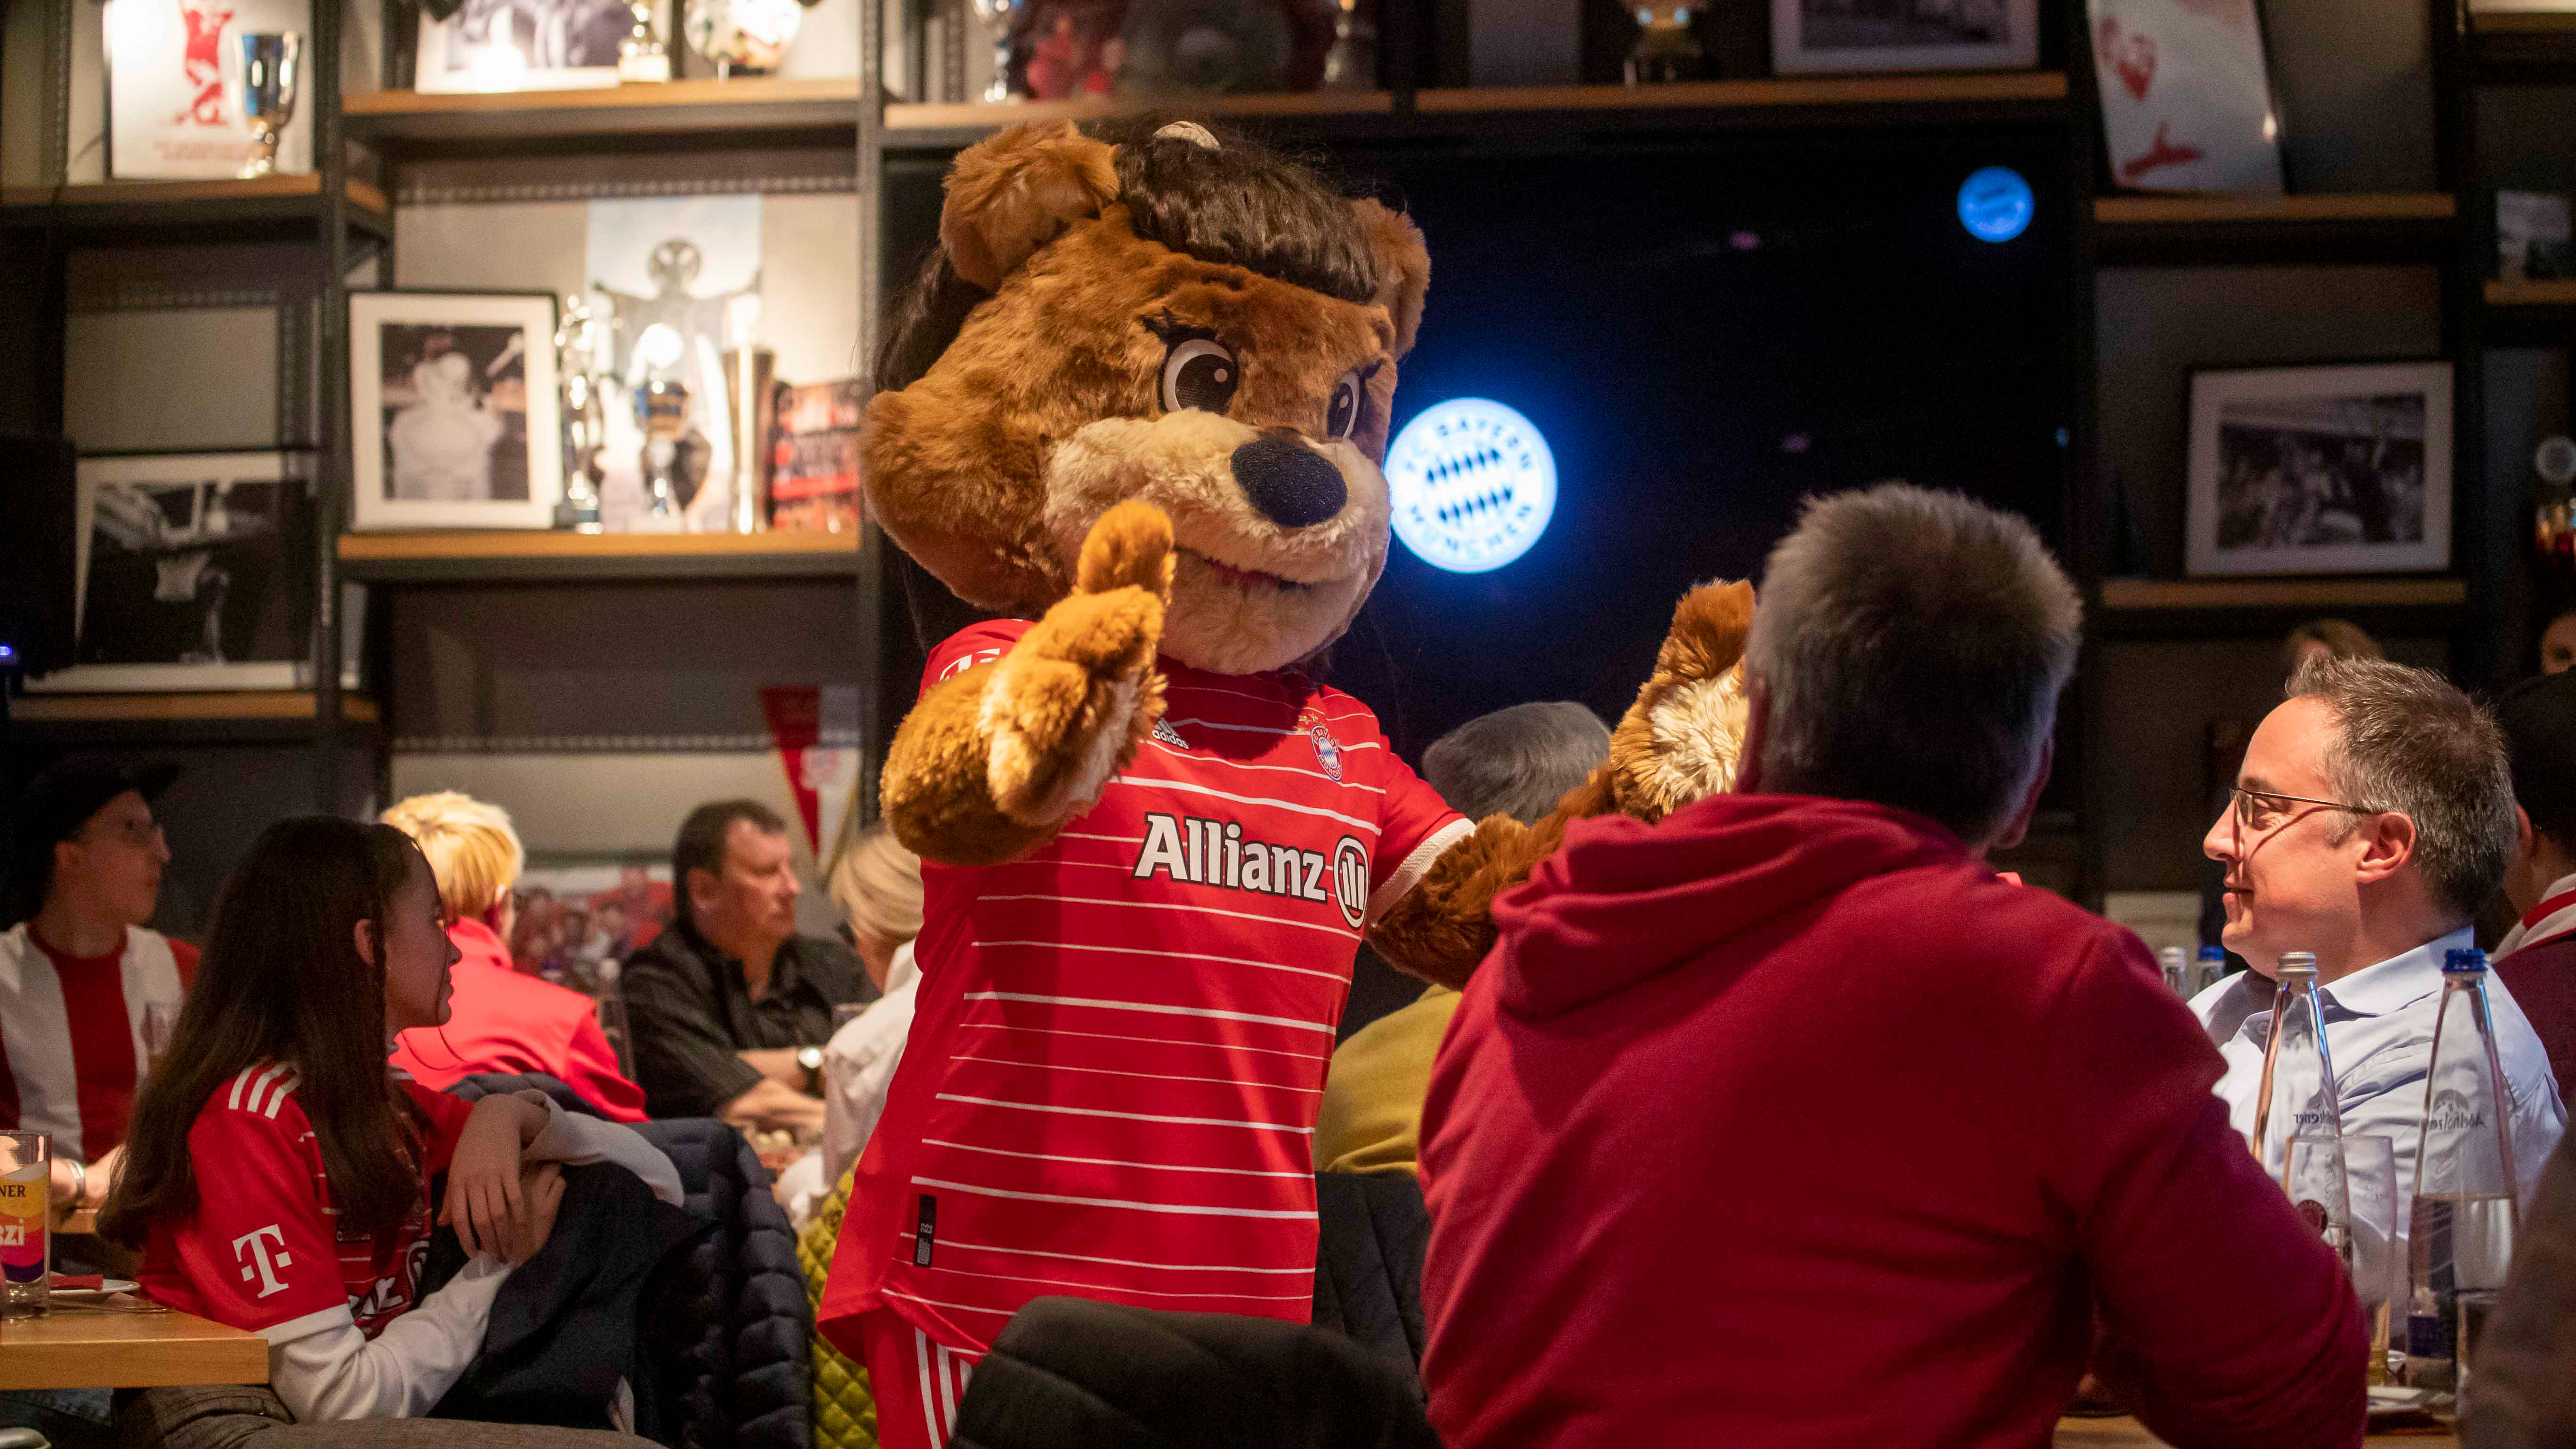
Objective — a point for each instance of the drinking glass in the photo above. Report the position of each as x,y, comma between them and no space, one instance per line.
2378,1257
26,1206
160,1024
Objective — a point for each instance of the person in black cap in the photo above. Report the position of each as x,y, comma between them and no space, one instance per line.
2536,960
81,980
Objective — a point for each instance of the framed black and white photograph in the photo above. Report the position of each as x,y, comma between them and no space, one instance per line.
523,45
454,417
2344,468
193,571
1864,35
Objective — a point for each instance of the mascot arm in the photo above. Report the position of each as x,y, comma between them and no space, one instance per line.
994,760
1679,741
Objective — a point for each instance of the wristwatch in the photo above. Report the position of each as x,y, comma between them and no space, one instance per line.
811,1059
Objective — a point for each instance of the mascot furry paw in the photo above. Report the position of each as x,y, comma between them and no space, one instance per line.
1138,401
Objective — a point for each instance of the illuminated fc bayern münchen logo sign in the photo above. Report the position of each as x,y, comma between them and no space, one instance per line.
1472,484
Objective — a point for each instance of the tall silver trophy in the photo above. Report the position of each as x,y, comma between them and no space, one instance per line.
272,68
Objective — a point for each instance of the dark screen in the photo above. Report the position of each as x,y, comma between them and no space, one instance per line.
1705,336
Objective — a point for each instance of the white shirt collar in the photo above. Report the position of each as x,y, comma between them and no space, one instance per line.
901,969
2407,977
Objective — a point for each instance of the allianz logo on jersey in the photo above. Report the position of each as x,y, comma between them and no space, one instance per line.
1208,852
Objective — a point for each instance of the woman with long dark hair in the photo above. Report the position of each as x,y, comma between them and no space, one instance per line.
277,1177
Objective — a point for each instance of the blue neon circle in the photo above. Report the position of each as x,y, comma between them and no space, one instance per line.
1472,485
1995,204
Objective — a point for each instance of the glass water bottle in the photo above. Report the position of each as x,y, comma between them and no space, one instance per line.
2298,1121
2466,1208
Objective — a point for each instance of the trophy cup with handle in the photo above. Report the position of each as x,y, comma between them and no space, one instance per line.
272,69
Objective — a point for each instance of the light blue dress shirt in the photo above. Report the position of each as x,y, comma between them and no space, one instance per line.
2379,1040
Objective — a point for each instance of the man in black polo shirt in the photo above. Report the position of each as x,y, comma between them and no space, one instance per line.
729,1008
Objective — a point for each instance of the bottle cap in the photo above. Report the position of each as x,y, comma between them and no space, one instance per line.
2297,963
2213,953
2467,958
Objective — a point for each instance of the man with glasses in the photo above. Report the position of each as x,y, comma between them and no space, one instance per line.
79,975
2373,816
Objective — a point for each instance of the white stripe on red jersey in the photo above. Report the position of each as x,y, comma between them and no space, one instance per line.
71,1050
1113,1079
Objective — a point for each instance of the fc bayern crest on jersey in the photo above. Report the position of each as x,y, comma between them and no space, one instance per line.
1328,751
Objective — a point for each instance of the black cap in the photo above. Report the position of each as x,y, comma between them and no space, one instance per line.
2538,718
59,801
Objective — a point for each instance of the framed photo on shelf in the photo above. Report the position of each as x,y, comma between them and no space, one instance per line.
576,913
2187,101
2341,468
1812,36
525,45
194,571
174,88
454,416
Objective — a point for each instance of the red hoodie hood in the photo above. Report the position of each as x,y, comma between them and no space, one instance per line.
1623,900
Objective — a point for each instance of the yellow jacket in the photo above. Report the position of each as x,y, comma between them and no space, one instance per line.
1372,1114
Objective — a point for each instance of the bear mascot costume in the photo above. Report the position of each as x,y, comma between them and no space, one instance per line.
1136,405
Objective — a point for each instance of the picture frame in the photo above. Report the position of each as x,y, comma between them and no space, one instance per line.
1811,37
2186,96
174,88
2320,469
529,45
193,571
455,410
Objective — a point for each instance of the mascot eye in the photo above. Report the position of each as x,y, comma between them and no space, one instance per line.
1198,373
1342,416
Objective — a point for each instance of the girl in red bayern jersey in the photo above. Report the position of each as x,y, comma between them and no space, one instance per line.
278,1175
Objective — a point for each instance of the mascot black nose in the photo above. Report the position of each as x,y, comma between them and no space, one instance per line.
1292,484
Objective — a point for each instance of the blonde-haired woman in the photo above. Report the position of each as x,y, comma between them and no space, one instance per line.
500,1020
877,885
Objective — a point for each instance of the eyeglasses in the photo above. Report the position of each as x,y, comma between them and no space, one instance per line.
2259,810
141,834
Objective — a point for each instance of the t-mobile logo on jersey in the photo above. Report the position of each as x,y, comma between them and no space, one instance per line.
254,1246
1215,853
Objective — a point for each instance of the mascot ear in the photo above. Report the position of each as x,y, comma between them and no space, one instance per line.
1404,263
1016,191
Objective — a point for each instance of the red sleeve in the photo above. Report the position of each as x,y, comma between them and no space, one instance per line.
258,1250
446,1118
1414,824
975,644
2174,1218
590,1068
185,956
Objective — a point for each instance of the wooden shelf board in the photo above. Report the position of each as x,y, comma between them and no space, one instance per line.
678,108
94,206
938,117
1889,90
2315,207
2129,595
2524,22
279,704
544,544
2531,294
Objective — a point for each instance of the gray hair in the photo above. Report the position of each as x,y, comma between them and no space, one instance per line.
1911,646
2414,745
1518,761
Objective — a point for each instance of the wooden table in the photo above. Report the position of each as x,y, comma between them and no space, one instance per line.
2130,1434
75,1348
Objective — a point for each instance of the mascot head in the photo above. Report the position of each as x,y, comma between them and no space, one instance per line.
1189,322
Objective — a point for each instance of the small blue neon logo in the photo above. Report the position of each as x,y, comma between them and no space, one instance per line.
1472,485
1995,204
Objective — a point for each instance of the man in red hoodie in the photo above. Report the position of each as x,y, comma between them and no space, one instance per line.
1786,1122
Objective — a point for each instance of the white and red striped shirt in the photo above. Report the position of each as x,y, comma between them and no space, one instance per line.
1120,1041
71,1034
2554,917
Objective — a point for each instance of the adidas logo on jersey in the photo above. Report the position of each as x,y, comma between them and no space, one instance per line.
1215,853
1164,731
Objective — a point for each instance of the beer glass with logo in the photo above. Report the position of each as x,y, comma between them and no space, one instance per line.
26,1180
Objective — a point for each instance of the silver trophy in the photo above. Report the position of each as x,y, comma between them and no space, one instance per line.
585,416
272,68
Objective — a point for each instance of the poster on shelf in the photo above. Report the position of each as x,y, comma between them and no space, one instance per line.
174,88
2326,469
1840,36
194,571
574,914
524,45
2187,100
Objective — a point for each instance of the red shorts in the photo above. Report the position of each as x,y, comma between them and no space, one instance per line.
917,1383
